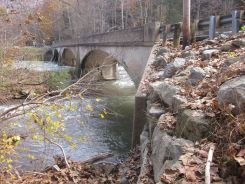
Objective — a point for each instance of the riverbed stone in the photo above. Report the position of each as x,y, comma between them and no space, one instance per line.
232,92
209,53
174,66
164,148
166,90
192,125
196,75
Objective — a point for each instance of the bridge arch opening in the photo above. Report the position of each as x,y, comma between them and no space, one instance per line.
55,56
68,57
48,55
103,63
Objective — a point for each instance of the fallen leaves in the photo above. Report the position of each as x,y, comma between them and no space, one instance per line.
167,121
192,167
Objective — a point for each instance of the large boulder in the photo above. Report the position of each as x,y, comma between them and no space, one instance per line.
174,66
166,90
162,51
192,125
209,53
226,63
165,148
160,61
239,43
196,75
232,93
155,111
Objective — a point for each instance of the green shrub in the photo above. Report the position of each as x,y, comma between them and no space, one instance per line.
243,28
59,79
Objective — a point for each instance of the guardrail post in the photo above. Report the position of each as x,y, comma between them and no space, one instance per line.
165,31
235,22
139,117
177,32
194,27
212,27
186,22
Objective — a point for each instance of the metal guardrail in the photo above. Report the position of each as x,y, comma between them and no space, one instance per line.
206,28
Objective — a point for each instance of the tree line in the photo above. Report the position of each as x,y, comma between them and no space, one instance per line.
46,21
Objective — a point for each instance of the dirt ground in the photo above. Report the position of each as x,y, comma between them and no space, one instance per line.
16,85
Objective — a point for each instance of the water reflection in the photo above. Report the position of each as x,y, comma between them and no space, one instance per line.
112,133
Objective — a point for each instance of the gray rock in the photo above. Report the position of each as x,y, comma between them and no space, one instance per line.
223,36
153,97
196,75
226,47
211,42
232,92
207,54
188,55
162,51
173,66
192,125
156,111
178,101
105,167
160,61
158,75
166,91
209,70
172,165
164,148
144,140
231,61
239,43
124,180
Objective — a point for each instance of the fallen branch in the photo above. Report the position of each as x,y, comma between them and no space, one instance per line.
208,165
61,148
97,158
32,172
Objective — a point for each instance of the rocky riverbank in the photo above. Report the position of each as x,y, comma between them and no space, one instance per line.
196,101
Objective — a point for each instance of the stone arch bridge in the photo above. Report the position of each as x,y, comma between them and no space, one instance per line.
130,48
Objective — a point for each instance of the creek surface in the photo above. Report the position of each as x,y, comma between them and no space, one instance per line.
96,134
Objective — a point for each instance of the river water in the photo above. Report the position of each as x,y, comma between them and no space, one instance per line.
92,132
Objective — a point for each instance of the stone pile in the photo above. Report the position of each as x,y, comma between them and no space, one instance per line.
185,91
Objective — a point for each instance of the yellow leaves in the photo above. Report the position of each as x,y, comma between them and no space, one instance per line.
30,156
58,114
68,138
72,108
232,54
37,137
105,111
102,116
98,99
73,146
89,108
82,139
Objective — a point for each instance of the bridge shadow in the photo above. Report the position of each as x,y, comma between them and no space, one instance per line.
68,58
55,57
104,63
